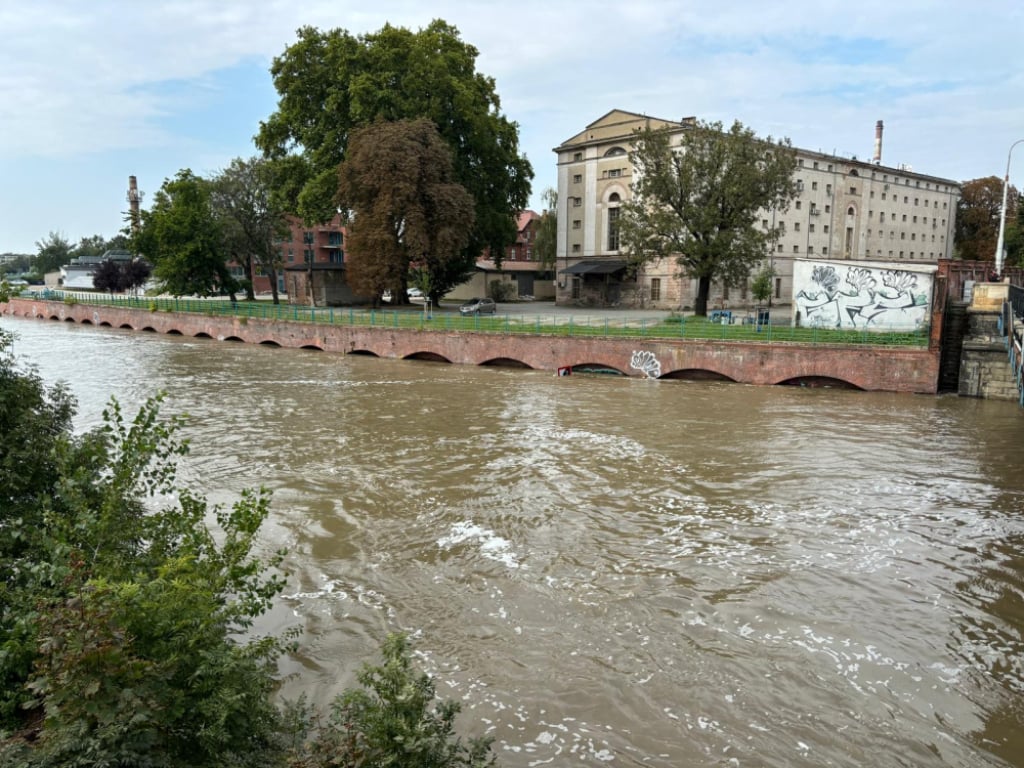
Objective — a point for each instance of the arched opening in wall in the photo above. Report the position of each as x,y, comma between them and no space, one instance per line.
126,326
613,221
269,343
54,317
363,352
818,382
149,329
312,347
429,357
615,151
234,338
86,321
506,362
203,335
697,374
597,368
174,332
105,324
69,319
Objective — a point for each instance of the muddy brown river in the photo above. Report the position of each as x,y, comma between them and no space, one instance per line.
613,571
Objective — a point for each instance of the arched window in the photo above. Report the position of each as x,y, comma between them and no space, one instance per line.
853,172
615,151
850,211
613,221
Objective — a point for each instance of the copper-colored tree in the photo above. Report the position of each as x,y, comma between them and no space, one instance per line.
977,217
404,209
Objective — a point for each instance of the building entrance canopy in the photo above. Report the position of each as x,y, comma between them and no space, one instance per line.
598,267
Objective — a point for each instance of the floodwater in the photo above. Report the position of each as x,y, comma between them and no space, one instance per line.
619,571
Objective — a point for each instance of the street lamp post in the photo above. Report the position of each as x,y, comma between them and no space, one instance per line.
1002,211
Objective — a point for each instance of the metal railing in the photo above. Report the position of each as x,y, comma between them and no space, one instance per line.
672,327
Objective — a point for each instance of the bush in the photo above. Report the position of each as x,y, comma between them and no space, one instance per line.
394,720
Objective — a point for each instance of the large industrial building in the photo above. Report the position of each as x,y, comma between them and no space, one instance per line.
845,209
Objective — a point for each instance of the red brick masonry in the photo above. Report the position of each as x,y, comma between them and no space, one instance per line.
893,369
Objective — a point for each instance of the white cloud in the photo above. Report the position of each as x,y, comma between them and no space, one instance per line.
122,79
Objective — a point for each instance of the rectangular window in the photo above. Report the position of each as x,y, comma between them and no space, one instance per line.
334,238
577,202
337,257
778,287
576,223
810,227
883,195
825,229
853,190
814,184
655,289
576,282
614,173
577,178
798,205
575,247
824,249
828,189
577,156
828,208
796,227
764,223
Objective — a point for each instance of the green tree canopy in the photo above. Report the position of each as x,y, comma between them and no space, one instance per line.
698,200
332,82
184,240
977,217
252,221
54,253
546,244
406,210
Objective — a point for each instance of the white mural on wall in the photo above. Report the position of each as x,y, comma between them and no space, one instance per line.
646,362
861,295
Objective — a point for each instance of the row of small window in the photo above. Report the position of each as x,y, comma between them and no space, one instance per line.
913,219
874,175
308,256
903,236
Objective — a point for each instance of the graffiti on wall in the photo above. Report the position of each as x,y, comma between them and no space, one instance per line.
864,298
646,363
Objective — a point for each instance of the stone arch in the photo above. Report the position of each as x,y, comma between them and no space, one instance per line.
313,347
363,352
203,335
149,329
615,151
697,374
430,357
506,362
174,332
127,326
234,338
269,343
598,368
819,382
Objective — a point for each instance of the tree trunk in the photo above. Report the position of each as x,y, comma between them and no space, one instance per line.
273,285
250,291
700,304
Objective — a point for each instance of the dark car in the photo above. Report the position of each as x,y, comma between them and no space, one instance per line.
479,307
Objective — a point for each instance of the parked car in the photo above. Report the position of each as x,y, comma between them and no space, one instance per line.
479,307
415,294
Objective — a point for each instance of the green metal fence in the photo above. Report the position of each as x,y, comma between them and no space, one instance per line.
673,327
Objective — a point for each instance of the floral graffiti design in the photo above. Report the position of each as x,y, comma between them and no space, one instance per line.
646,362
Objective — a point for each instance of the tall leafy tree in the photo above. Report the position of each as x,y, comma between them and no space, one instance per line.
252,220
977,217
697,200
184,240
405,208
546,244
331,82
108,276
54,252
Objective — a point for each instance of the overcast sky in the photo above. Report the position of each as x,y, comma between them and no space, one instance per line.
93,92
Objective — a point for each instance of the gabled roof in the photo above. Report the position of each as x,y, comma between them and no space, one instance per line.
524,218
618,123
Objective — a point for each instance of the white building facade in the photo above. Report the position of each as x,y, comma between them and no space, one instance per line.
845,209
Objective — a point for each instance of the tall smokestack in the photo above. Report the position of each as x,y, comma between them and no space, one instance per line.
878,143
134,198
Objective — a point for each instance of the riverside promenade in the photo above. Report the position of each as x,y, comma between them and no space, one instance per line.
651,344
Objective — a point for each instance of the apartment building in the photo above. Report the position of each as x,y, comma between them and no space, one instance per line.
845,208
